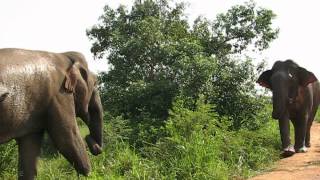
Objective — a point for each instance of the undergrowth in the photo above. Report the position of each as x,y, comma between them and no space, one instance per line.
197,145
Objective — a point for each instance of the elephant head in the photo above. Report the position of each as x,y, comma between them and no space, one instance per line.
83,84
284,80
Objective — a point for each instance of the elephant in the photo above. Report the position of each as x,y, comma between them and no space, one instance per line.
44,92
296,97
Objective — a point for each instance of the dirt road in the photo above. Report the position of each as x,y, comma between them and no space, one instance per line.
301,166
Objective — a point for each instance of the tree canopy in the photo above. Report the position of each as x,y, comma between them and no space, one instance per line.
156,56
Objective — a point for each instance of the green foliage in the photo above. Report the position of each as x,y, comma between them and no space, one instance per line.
8,159
143,46
118,161
196,145
155,57
237,29
152,47
191,148
232,91
199,146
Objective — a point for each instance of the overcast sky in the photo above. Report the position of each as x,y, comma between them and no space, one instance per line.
60,25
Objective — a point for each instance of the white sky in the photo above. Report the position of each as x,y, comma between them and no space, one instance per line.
60,25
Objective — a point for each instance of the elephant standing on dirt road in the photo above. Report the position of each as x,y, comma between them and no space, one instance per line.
296,96
42,91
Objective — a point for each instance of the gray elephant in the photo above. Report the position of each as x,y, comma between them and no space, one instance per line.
42,91
296,96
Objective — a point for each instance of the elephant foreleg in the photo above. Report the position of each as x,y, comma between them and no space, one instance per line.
284,126
300,129
64,132
29,150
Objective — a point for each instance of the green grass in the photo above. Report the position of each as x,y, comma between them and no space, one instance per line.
188,151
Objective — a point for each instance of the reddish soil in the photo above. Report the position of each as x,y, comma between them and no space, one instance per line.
300,166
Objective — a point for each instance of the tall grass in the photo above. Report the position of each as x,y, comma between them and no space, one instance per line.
197,145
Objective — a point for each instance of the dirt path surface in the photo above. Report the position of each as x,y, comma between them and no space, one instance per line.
301,166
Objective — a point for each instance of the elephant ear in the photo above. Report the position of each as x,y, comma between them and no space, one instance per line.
264,79
75,75
305,77
71,79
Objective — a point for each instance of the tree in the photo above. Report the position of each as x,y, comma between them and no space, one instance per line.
156,56
237,29
146,48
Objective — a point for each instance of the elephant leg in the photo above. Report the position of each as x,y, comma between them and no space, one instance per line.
29,151
309,124
300,129
64,132
284,127
296,133
307,140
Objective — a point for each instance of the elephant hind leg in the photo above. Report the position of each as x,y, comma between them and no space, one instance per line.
29,150
307,140
64,132
309,124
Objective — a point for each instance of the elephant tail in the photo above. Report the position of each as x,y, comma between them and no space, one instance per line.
3,93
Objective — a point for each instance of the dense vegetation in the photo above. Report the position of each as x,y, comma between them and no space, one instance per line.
180,98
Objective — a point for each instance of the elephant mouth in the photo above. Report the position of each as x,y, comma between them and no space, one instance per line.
94,147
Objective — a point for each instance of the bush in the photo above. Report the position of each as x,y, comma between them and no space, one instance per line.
199,146
195,144
8,159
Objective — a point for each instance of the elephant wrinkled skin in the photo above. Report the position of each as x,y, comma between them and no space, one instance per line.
43,91
296,97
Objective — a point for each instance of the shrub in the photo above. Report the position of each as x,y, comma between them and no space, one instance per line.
8,159
199,146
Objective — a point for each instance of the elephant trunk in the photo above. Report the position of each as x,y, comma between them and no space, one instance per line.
279,98
280,109
284,127
94,139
